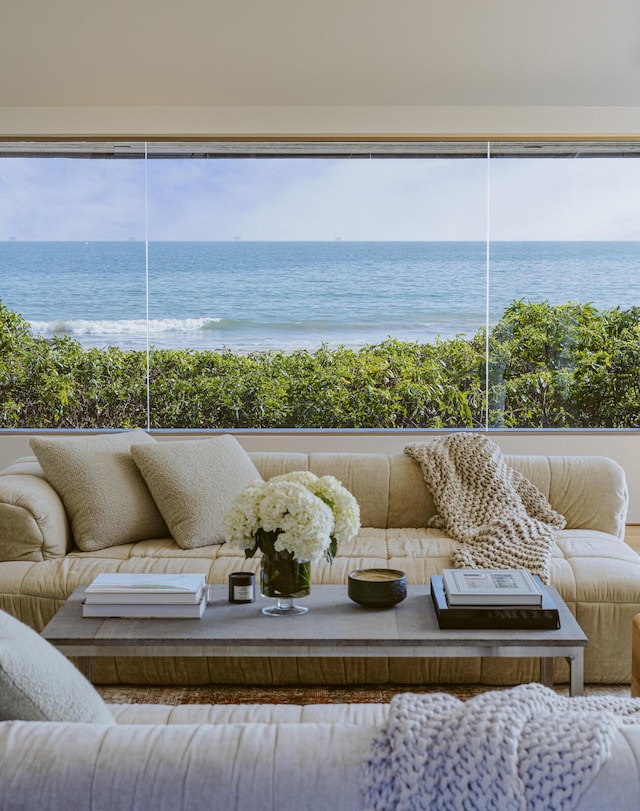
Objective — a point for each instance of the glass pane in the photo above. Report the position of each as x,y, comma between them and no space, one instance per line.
565,293
298,292
73,292
323,291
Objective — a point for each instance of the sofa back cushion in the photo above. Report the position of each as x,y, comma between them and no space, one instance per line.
589,491
389,488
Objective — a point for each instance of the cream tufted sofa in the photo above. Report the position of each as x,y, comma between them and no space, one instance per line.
278,757
597,574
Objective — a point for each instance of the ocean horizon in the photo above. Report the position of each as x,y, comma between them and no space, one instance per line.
247,296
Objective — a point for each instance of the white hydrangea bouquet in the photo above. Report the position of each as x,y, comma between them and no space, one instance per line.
298,513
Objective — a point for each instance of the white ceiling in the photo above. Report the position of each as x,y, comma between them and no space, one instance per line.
210,53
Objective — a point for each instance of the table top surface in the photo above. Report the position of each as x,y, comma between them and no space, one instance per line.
333,620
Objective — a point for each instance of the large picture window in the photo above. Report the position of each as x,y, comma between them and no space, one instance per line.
319,285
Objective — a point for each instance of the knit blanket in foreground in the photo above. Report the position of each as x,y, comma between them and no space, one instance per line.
501,519
508,750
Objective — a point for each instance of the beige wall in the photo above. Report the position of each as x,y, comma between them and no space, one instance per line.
361,121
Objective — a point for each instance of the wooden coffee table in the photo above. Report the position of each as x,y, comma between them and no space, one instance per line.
333,626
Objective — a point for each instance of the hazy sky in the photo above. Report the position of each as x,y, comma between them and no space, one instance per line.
320,199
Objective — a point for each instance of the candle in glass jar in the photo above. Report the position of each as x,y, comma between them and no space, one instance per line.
242,587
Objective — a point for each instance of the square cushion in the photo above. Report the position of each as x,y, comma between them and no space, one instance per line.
37,683
106,498
194,482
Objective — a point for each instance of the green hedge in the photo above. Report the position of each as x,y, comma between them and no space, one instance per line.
559,366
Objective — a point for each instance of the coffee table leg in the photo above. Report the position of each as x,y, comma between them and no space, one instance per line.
546,670
84,666
576,673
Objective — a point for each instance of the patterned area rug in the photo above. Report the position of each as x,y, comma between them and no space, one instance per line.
226,694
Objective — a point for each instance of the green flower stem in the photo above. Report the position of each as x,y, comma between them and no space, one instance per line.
283,575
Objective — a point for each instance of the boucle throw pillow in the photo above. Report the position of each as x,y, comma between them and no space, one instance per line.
37,683
106,498
194,482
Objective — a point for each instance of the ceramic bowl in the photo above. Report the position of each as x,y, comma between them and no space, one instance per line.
377,588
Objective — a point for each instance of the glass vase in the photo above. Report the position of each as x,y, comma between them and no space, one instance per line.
284,577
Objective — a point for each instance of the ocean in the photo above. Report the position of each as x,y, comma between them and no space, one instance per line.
247,296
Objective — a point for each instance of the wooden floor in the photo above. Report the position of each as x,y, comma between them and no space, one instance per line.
632,536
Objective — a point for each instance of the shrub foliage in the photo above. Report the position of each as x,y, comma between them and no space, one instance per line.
550,366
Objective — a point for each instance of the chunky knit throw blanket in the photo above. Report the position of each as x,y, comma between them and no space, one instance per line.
509,750
501,520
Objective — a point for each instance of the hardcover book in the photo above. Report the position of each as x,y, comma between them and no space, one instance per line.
543,617
146,588
507,587
146,611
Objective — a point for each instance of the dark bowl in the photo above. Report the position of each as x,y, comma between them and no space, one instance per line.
377,588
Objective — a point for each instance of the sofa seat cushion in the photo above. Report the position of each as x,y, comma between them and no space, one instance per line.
591,566
580,557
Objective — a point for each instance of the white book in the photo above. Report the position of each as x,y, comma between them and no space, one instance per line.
482,587
141,588
148,611
146,596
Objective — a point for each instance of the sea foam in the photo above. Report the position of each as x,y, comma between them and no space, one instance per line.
122,327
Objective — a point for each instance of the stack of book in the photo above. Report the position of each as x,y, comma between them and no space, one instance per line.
146,595
492,598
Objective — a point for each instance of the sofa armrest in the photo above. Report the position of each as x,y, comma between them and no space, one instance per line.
33,521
